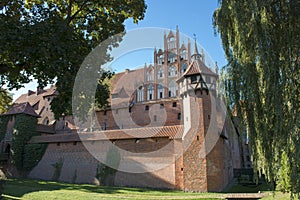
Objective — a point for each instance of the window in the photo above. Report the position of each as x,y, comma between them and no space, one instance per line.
171,43
172,71
173,89
160,59
183,68
105,112
183,54
160,73
117,111
174,104
147,107
160,91
46,121
162,106
171,57
104,126
154,118
194,79
150,75
179,116
140,94
150,92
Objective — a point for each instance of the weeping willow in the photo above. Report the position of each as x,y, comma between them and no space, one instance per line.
261,40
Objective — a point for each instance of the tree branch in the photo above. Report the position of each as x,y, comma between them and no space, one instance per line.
76,13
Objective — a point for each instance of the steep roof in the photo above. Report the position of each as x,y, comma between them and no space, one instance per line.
33,97
124,86
171,132
197,67
37,98
21,108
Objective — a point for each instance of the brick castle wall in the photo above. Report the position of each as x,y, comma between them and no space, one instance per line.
79,166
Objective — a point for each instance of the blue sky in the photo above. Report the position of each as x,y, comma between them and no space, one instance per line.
191,17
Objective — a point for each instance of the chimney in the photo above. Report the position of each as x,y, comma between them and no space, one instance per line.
30,92
39,90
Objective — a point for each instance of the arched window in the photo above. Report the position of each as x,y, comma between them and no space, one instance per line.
160,59
173,89
171,57
150,75
171,43
172,71
183,68
150,92
160,73
160,92
140,94
183,54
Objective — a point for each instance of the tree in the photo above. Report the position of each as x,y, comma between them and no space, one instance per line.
5,100
261,40
48,40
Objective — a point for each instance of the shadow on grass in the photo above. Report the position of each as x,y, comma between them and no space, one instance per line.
249,188
18,187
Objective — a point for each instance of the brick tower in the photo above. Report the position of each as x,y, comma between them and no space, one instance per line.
195,87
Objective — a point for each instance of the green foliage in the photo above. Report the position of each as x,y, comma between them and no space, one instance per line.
57,169
24,129
48,40
261,40
33,153
3,126
106,172
2,181
5,100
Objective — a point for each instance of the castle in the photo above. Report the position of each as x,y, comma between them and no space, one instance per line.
164,121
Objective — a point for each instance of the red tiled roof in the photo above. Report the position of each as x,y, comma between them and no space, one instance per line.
171,132
34,97
24,108
197,67
124,85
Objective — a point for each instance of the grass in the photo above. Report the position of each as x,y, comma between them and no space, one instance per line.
263,187
34,189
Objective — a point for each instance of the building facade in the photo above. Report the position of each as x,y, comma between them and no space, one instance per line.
167,107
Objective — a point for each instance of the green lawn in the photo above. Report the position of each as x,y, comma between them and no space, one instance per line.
34,189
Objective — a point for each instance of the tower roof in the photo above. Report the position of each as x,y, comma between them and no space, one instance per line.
197,67
196,55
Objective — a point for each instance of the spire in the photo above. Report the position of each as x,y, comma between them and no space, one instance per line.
196,55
